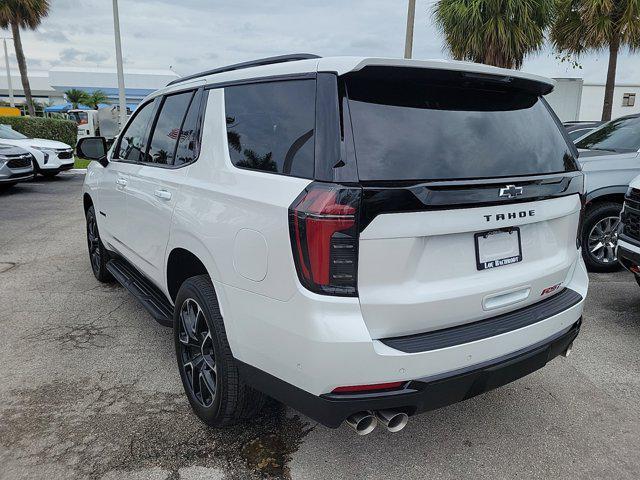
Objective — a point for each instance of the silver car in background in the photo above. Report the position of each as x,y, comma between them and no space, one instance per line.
16,165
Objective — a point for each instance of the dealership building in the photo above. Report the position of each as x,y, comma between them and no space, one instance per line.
48,87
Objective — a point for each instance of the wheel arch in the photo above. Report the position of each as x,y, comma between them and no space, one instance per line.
181,265
613,193
87,201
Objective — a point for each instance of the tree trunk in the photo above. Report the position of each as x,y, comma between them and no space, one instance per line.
22,65
614,46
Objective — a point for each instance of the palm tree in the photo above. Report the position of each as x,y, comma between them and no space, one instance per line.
93,99
495,32
16,14
583,25
75,97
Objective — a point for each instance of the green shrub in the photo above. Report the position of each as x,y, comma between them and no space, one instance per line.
64,131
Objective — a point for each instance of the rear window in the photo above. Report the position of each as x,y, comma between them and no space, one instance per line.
417,130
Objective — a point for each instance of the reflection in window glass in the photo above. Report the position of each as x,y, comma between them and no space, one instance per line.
133,141
621,135
188,141
167,130
270,126
419,131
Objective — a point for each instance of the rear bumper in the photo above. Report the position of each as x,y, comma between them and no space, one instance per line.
419,395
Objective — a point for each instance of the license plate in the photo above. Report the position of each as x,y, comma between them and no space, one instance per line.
498,248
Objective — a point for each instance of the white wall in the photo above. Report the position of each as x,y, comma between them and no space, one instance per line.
565,98
66,77
38,81
593,98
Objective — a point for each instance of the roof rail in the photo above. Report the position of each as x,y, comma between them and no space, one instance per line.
252,63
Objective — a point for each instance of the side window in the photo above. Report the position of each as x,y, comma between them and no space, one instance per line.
133,139
188,146
164,139
270,126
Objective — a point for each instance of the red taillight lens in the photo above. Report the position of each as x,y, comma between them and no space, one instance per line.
369,388
323,222
583,202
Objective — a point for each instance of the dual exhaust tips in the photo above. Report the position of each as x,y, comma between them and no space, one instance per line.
365,422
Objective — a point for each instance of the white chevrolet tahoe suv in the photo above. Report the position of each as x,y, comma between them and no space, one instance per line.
363,239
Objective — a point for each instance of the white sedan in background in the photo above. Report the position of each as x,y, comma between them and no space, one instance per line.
51,157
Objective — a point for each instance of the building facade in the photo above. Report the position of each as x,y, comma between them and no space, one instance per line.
48,87
573,99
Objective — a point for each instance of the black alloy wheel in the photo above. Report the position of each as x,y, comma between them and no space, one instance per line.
197,354
208,370
97,253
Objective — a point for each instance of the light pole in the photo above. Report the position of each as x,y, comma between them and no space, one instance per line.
411,18
12,100
121,95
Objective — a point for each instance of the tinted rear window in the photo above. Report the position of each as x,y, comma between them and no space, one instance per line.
413,130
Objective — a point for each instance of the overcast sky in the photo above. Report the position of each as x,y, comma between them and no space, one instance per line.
193,35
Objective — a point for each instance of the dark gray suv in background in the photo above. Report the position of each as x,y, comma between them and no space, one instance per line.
610,159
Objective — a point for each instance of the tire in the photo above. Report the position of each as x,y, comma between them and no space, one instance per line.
6,186
98,255
594,234
207,368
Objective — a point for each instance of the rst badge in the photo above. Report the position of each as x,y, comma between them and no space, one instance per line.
550,289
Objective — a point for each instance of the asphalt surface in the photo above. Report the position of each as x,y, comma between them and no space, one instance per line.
89,387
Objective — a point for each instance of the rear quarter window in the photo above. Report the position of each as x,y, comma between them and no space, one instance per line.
270,126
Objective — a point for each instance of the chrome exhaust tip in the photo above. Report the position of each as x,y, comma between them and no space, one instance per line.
363,422
394,420
567,352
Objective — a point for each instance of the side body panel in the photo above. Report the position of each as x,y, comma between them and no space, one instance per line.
223,214
112,205
609,171
151,199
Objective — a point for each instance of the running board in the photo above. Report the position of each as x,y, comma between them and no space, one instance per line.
147,294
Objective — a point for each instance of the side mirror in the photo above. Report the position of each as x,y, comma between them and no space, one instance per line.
93,148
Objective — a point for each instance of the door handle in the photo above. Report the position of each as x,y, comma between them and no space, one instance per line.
162,194
121,181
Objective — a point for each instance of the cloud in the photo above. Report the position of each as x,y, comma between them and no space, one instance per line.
52,36
193,35
73,55
70,54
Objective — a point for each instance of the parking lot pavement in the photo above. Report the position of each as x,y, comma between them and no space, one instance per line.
89,386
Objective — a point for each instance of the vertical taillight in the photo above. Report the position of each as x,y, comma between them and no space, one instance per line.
323,222
583,205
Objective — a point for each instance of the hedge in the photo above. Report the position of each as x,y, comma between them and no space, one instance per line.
64,131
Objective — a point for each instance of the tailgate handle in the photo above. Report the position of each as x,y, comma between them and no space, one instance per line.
504,299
